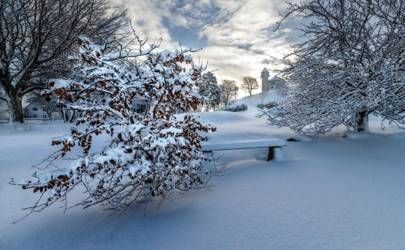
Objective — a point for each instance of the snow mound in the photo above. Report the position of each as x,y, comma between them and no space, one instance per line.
221,117
254,100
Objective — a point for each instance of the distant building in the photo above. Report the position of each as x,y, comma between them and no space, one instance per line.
44,111
35,110
275,83
265,80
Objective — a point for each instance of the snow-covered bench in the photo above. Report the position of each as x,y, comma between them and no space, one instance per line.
273,144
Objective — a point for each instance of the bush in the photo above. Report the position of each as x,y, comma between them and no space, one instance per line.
151,153
269,105
236,108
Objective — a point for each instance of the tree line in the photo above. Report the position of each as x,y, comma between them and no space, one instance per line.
37,37
217,95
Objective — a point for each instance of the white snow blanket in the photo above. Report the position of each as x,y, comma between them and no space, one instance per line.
332,193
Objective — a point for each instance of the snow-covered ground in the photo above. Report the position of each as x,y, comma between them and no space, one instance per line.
329,193
254,100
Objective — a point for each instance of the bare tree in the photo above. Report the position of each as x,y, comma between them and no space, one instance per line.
229,90
249,84
36,37
348,67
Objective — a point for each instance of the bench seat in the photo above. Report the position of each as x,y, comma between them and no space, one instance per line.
271,143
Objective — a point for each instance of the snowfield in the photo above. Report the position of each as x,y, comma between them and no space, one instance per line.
329,193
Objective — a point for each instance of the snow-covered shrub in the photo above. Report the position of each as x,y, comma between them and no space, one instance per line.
151,153
267,106
236,108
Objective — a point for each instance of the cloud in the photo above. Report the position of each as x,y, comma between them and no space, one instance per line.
237,36
244,39
147,19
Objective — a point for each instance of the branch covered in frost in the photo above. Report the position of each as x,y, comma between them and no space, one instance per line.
149,151
350,66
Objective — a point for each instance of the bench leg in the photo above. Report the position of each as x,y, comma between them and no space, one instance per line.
273,153
211,154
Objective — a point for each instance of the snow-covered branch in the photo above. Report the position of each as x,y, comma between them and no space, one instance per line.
350,66
150,152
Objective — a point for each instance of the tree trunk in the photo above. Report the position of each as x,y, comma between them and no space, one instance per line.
361,121
49,114
17,112
73,116
15,101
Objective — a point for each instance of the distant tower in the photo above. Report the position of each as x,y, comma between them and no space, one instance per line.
265,80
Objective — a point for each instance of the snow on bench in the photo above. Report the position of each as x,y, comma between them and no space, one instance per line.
273,144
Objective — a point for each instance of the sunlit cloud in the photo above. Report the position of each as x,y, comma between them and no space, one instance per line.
237,37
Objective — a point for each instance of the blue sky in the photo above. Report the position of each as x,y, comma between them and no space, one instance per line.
236,36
